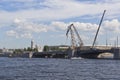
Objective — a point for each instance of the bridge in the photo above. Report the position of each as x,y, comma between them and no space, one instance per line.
94,53
89,53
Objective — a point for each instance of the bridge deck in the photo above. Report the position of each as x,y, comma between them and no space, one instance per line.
84,53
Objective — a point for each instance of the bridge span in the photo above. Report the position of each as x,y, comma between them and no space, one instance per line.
91,53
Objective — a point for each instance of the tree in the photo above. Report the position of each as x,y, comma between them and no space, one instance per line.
29,49
46,48
35,49
25,49
18,51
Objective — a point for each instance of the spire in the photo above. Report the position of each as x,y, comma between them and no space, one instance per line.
32,44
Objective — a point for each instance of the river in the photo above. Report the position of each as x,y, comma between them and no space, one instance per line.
58,69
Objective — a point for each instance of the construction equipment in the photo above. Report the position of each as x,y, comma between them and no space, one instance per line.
98,29
73,30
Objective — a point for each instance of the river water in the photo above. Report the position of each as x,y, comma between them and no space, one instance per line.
58,69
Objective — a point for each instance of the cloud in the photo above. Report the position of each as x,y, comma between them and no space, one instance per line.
26,35
19,0
29,18
11,33
51,10
17,20
57,29
112,26
59,25
15,5
79,25
24,29
86,26
29,26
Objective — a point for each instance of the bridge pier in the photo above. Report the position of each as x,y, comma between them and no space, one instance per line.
30,54
116,52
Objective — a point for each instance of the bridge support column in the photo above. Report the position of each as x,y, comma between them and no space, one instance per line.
30,54
116,52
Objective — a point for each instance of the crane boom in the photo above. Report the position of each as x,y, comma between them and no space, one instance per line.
71,28
80,40
98,29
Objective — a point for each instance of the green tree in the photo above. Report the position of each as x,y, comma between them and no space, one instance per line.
25,49
29,49
35,49
18,51
46,48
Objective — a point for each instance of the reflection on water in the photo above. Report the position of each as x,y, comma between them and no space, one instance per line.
58,69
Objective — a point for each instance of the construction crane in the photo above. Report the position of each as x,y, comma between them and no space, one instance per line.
73,30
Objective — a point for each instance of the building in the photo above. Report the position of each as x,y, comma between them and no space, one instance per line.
32,44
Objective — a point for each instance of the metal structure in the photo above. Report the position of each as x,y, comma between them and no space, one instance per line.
98,29
73,31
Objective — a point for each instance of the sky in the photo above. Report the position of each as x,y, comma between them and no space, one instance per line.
46,21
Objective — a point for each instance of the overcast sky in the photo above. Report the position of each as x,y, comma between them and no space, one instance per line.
46,21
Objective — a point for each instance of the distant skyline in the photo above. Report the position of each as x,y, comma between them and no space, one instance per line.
46,21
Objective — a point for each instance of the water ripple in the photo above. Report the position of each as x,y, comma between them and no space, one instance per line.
58,69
